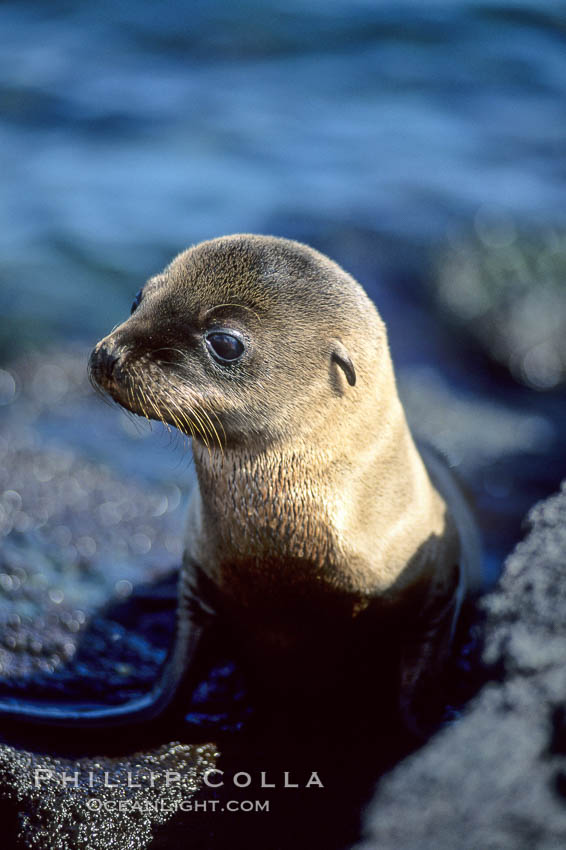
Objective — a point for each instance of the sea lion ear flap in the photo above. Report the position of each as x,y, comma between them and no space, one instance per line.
342,358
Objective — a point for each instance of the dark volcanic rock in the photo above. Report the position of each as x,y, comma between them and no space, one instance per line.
497,778
100,802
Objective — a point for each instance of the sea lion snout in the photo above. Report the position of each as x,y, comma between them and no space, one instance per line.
105,360
102,361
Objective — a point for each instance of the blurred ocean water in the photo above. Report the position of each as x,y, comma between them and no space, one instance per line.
129,130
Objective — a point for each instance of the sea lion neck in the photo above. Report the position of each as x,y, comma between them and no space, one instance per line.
256,504
309,505
282,472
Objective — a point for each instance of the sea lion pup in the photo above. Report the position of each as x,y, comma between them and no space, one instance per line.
316,532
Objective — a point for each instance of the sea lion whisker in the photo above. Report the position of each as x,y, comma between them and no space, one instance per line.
130,394
212,412
197,414
141,402
199,427
134,415
198,424
199,411
166,402
159,414
128,411
206,414
170,403
201,416
185,417
179,431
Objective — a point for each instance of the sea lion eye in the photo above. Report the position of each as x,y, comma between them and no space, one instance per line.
137,300
224,347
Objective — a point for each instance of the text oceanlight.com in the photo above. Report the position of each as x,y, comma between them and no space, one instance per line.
94,804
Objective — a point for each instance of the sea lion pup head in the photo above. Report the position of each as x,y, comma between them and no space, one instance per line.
246,340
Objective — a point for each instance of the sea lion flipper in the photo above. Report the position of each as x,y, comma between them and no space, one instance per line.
179,676
425,649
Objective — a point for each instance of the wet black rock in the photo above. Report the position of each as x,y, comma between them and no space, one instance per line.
497,778
99,802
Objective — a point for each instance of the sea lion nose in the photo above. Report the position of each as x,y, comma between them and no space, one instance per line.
103,360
